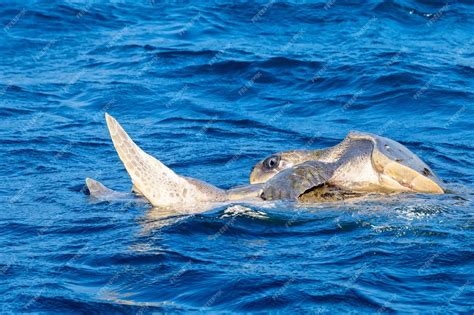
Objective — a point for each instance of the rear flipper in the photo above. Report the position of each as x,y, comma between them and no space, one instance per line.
102,193
96,189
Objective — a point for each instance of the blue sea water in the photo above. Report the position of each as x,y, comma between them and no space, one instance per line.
210,89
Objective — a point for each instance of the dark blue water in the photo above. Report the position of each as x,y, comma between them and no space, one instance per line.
210,90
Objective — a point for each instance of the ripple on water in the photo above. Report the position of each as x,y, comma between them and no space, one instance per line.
211,89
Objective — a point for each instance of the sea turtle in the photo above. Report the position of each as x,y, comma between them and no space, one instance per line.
361,163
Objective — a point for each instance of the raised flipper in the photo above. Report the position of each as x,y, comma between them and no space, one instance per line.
158,184
295,181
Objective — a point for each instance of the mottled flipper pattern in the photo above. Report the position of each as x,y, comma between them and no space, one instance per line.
158,184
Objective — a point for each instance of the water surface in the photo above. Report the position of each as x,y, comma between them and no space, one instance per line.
210,89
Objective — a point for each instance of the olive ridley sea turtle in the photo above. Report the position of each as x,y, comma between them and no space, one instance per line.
362,163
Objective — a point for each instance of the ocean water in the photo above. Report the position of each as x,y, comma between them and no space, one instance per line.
210,89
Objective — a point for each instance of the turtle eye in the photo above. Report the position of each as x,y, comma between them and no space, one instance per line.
271,162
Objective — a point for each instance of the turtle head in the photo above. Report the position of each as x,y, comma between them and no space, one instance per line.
275,163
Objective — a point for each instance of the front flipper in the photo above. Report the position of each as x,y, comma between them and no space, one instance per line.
293,182
155,181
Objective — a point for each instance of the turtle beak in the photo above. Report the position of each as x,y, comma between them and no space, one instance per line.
254,175
258,176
